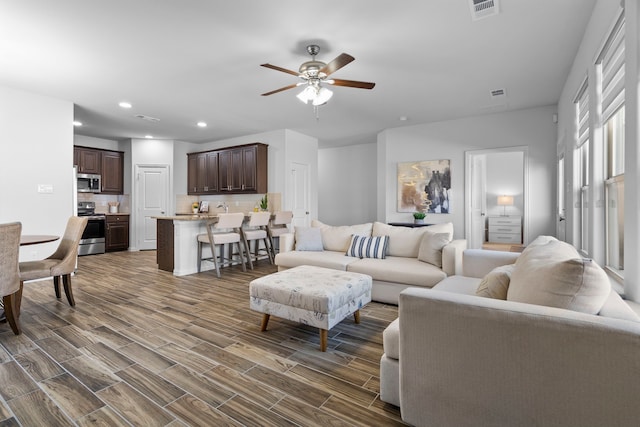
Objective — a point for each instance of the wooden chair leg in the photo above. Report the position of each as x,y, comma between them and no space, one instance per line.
19,299
266,248
216,264
247,247
200,255
10,312
244,268
56,285
356,316
66,282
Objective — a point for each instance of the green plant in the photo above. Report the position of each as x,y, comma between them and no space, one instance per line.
264,203
419,215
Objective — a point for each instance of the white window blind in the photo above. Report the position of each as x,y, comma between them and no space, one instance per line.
582,114
612,60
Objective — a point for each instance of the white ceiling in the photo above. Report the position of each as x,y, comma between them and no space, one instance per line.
185,61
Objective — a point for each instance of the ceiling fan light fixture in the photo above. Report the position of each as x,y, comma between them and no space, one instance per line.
307,94
322,96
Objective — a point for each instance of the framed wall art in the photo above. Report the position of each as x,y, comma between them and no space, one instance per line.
424,186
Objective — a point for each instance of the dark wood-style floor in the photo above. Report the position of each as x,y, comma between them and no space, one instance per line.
143,347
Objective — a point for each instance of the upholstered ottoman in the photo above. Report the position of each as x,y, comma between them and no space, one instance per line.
314,296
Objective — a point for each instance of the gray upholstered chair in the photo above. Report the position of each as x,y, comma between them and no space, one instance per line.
255,231
278,226
226,230
61,263
10,286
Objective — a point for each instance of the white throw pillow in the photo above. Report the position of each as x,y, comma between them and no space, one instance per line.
308,239
496,283
368,247
431,247
555,275
338,238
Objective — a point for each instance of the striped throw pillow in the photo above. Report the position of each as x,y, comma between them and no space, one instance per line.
368,247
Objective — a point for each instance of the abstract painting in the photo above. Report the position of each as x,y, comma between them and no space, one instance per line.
424,186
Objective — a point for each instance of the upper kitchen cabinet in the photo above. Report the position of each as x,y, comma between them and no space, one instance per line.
235,170
112,172
203,173
88,160
243,169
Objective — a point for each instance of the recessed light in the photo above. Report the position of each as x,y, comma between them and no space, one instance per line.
149,136
202,124
403,118
77,123
125,104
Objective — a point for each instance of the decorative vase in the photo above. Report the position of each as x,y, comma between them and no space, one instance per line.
418,221
195,210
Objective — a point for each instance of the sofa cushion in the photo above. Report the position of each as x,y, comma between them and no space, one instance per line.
368,246
405,241
458,285
391,339
308,239
327,259
430,249
408,271
338,238
496,283
615,307
555,275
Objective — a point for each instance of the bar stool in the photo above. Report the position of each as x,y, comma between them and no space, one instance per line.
221,237
278,226
255,231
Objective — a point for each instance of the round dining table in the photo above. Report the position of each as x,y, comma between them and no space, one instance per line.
34,239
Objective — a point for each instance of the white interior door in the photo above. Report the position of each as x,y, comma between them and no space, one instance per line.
478,190
300,197
152,200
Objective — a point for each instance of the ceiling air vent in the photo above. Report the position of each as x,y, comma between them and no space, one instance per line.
498,93
483,8
147,118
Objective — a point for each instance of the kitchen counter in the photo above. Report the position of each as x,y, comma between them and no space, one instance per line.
177,244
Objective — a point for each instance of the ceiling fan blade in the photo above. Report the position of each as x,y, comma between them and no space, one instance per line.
351,83
281,89
284,70
333,66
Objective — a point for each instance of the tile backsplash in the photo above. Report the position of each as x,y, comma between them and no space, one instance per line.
102,201
236,202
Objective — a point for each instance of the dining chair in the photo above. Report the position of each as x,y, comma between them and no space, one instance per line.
226,230
278,226
10,285
61,263
255,231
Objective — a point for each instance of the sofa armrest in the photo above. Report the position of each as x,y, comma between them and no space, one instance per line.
518,364
479,262
287,242
452,257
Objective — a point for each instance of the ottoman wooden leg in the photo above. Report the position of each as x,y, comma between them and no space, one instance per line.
356,316
265,320
323,340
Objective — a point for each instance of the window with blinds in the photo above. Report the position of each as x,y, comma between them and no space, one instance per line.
582,161
611,62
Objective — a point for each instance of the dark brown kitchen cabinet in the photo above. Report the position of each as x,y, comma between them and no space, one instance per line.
117,233
87,160
203,173
112,172
233,170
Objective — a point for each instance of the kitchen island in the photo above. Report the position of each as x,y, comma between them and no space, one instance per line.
177,244
177,248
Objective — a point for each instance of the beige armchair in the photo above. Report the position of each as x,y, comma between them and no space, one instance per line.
10,288
61,263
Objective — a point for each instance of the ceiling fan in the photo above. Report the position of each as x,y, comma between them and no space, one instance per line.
314,73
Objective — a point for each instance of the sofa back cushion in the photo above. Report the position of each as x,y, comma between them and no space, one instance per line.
338,238
555,275
405,241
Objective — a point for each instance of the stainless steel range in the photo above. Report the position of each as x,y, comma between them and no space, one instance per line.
93,237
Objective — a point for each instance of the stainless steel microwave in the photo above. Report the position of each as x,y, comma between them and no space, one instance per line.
88,183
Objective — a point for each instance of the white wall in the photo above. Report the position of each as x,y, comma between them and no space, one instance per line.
347,190
89,141
36,148
533,128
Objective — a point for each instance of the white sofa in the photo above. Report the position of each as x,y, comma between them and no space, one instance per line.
454,358
401,267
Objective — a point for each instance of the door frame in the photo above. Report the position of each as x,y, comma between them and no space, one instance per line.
468,187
